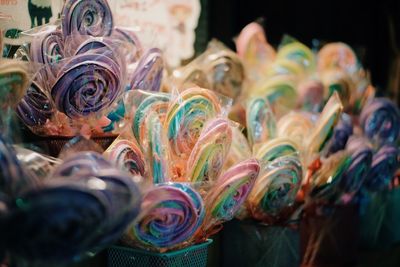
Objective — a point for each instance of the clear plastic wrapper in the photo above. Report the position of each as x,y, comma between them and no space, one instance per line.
337,55
255,51
240,148
210,151
311,95
81,209
274,149
341,82
380,121
284,66
260,120
275,189
171,214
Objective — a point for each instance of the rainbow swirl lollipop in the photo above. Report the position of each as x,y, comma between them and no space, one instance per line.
86,17
341,133
298,52
325,124
88,83
186,117
149,72
285,66
13,177
340,82
280,92
208,155
127,156
14,80
337,55
230,191
380,121
276,188
276,148
361,159
171,214
261,124
296,127
384,165
35,108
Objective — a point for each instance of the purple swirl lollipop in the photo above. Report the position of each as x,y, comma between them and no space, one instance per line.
149,72
341,133
87,84
86,17
129,35
380,121
35,108
384,165
47,48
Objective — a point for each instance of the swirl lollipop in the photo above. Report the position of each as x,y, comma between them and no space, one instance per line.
129,35
128,156
298,52
148,74
339,81
325,124
311,95
88,83
276,188
86,17
285,66
276,148
230,191
361,159
47,48
384,165
186,117
261,124
172,213
341,133
380,121
208,155
337,55
35,108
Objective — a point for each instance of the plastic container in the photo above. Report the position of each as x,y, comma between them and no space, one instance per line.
193,256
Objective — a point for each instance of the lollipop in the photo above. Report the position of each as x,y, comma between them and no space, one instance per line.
94,45
148,74
280,92
13,177
14,80
325,124
186,117
276,148
47,48
296,127
341,133
240,149
171,214
129,35
384,165
311,95
88,83
276,188
337,55
127,156
339,81
361,159
285,66
86,17
35,108
261,124
380,121
208,155
298,52
230,191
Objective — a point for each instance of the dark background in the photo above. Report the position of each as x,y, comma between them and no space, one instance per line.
364,25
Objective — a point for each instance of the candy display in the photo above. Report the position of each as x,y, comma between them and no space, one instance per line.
209,153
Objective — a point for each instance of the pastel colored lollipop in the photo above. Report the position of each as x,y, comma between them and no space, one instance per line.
149,72
35,108
341,133
361,156
86,17
209,153
261,124
340,82
380,120
323,129
240,149
186,117
285,66
276,188
171,214
229,192
14,80
336,55
310,95
385,162
276,148
295,126
127,156
298,52
87,84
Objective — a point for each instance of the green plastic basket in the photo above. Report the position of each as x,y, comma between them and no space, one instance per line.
193,256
